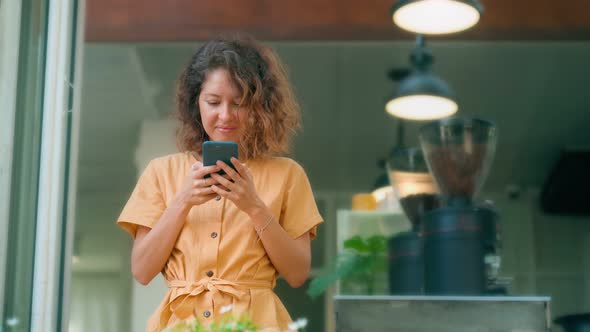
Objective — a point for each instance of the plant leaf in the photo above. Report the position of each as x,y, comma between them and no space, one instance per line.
356,243
377,243
346,265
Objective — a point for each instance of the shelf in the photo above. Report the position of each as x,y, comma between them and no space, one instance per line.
445,298
442,313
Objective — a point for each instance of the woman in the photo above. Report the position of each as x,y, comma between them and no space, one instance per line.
223,240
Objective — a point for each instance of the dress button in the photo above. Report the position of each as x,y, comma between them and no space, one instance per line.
217,198
207,313
214,234
209,274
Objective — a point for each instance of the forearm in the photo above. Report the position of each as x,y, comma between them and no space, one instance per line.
151,253
291,257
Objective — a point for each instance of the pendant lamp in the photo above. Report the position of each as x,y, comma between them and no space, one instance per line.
435,17
422,95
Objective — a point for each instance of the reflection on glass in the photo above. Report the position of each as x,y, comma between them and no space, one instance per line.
413,184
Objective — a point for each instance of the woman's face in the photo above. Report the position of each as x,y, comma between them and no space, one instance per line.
219,102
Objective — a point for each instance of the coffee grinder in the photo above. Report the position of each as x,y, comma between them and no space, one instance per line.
458,235
417,193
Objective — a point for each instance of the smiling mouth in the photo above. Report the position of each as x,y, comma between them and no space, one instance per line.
226,129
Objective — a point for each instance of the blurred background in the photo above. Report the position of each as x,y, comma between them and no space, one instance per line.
524,67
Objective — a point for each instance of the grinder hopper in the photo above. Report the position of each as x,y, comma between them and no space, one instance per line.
459,153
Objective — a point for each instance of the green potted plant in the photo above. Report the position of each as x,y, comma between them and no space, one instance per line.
360,262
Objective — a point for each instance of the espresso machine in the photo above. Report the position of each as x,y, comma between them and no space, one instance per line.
417,193
460,237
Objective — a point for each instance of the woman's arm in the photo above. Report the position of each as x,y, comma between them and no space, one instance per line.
291,257
152,247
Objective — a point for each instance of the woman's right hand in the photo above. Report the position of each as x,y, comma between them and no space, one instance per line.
196,189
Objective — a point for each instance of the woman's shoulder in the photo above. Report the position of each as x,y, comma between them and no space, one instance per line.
278,161
281,165
170,161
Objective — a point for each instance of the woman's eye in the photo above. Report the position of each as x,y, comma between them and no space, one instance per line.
213,102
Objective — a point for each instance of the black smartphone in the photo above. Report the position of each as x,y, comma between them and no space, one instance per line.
219,150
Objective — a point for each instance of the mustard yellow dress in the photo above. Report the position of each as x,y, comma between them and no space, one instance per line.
218,259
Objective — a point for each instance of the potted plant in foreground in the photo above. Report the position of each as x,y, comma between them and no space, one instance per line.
230,323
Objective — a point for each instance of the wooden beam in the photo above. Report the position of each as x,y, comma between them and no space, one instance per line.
191,20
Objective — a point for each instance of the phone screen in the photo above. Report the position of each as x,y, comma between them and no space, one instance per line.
219,150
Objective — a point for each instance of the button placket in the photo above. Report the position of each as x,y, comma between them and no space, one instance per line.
214,241
211,236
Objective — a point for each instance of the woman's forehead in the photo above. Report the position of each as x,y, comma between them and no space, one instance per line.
219,82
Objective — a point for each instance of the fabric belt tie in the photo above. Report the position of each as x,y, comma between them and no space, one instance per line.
182,305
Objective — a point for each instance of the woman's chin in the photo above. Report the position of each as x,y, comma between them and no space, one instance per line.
225,138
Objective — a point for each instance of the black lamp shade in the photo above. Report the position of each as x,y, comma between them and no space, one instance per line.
422,96
381,181
424,83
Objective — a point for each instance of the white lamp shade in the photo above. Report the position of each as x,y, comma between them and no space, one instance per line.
435,17
421,107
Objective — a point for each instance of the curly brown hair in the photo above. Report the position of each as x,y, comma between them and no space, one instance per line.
273,112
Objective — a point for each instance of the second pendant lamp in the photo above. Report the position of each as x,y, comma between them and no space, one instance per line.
422,95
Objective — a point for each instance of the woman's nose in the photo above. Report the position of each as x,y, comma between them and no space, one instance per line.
226,111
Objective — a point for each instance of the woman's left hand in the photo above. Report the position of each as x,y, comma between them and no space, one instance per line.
241,190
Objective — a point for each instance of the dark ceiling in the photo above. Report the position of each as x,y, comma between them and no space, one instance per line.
191,20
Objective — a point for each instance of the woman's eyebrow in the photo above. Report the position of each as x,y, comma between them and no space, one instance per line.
237,98
211,94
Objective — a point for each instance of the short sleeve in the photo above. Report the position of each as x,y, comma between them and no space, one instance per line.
146,204
299,210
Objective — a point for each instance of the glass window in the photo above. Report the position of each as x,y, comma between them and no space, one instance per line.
21,142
